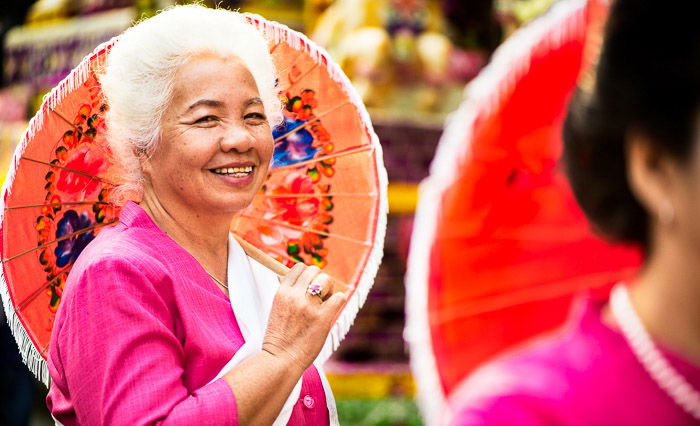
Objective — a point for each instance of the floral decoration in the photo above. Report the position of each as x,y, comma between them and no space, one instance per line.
73,244
303,139
76,158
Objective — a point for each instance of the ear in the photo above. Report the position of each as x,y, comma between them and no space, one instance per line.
145,163
146,166
653,177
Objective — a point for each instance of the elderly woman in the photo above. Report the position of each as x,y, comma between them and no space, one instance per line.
632,153
146,332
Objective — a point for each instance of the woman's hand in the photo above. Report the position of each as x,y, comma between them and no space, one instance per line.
300,322
296,331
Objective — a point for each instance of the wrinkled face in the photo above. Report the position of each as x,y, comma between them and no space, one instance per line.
216,142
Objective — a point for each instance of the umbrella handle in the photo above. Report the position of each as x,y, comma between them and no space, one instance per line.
263,258
274,265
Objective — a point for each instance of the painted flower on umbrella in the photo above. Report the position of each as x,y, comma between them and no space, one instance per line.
87,162
55,288
272,240
296,146
68,249
296,139
88,122
286,200
308,216
298,208
79,155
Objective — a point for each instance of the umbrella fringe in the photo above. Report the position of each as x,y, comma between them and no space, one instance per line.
562,23
77,77
277,33
31,356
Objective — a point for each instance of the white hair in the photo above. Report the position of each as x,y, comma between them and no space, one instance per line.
138,76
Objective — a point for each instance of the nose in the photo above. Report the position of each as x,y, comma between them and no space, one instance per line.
236,137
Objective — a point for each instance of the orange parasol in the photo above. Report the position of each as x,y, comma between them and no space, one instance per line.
324,201
499,245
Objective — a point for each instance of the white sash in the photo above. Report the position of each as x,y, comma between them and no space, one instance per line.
252,288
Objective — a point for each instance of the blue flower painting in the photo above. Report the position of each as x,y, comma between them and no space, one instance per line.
296,146
70,248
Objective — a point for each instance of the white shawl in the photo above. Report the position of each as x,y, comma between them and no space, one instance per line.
252,288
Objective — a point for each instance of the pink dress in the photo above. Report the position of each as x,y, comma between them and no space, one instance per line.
141,332
586,375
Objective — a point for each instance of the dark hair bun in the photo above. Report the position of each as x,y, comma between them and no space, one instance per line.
647,80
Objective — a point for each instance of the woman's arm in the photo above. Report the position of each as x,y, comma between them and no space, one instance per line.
297,329
124,363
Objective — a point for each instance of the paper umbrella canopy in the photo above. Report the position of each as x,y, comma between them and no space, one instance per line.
499,245
324,201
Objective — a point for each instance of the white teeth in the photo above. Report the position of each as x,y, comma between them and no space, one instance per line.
236,171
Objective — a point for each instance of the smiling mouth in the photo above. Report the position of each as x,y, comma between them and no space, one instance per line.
236,172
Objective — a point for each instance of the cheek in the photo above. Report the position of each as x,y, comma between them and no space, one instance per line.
265,146
689,203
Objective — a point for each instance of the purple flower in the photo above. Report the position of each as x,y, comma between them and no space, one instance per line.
295,147
70,248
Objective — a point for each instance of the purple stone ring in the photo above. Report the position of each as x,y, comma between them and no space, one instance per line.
314,289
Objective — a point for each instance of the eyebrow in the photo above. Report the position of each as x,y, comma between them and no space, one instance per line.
218,104
253,101
206,102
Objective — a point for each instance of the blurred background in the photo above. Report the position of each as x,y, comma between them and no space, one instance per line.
410,60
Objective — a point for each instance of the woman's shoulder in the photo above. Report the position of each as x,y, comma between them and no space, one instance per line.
135,241
117,247
121,260
517,387
544,380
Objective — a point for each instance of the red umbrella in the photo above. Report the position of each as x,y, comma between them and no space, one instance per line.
323,203
499,245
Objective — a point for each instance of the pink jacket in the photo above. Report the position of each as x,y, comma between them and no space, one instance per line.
140,333
586,374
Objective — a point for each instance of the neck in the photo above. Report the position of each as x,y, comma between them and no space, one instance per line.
205,237
667,297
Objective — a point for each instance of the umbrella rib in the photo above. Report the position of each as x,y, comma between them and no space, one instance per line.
322,195
310,122
87,175
288,257
301,77
72,234
290,65
74,203
519,297
40,289
285,255
528,233
342,153
281,253
301,228
70,123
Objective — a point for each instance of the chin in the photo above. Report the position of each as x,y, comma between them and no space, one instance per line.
239,203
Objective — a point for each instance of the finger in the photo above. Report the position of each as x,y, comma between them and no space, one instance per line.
334,304
293,275
339,286
307,276
325,282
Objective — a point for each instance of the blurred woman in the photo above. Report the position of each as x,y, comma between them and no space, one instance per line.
632,154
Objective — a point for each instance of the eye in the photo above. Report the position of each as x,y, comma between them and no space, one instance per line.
255,116
207,119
